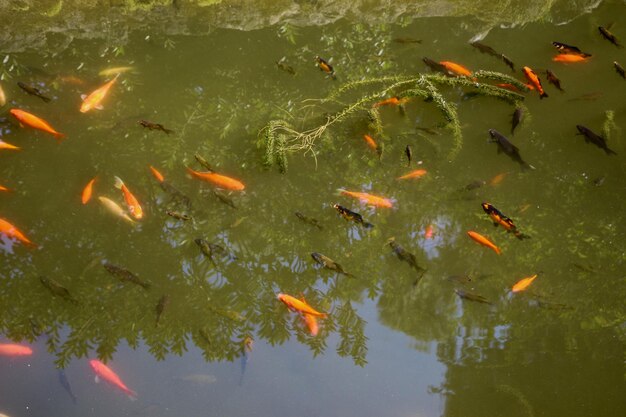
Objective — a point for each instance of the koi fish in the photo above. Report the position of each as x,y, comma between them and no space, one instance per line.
57,289
157,174
125,275
178,216
609,36
114,208
502,220
373,145
35,122
87,191
107,374
534,80
455,68
504,145
3,188
5,145
115,71
552,79
311,323
218,180
508,62
467,295
516,118
594,138
405,255
418,173
352,216
435,66
131,201
325,66
247,345
391,101
409,154
10,349
155,126
569,49
296,305
368,198
309,220
169,188
328,263
478,238
33,91
485,49
620,70
11,231
497,179
429,232
523,283
93,100
569,58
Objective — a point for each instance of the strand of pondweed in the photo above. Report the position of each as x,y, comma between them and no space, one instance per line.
608,125
366,82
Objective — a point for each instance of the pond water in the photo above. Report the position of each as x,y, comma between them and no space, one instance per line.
396,342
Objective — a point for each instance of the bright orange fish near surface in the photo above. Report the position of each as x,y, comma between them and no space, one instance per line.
157,174
429,232
297,305
93,100
87,191
221,181
523,283
131,201
10,349
478,238
12,231
106,373
35,122
569,58
368,198
393,101
311,324
534,80
418,173
4,145
455,68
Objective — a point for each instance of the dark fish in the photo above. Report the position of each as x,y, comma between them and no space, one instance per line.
177,215
409,154
407,40
502,220
164,301
352,216
405,256
599,181
125,275
460,279
309,220
471,296
155,126
57,289
597,140
328,263
65,383
203,162
281,65
325,66
224,199
474,185
33,91
620,70
508,62
206,249
569,49
485,49
504,145
552,79
588,96
435,66
609,36
516,119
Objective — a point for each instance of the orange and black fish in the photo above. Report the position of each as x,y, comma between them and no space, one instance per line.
534,80
516,119
502,220
609,36
33,91
352,216
553,79
504,145
435,66
594,138
619,69
325,66
569,49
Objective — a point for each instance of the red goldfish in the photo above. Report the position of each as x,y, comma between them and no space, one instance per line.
87,191
523,283
297,305
220,181
478,238
131,201
15,350
35,122
368,198
569,58
12,231
94,99
106,373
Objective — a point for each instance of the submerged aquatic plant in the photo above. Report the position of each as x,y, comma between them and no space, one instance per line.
280,137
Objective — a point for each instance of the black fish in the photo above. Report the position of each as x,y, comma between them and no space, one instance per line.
164,301
569,49
407,40
33,91
177,215
609,36
516,119
471,296
409,154
352,216
508,62
328,263
405,256
435,66
553,79
281,65
619,69
325,66
485,49
155,126
125,275
597,140
57,289
504,145
65,383
309,220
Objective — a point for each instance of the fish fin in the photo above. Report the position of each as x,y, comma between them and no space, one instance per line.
98,107
83,97
118,183
96,379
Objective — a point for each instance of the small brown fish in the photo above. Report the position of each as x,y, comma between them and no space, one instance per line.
516,118
409,154
33,91
467,295
309,220
609,36
203,162
328,263
224,198
620,70
407,40
405,256
284,67
553,79
155,126
125,275
177,215
57,289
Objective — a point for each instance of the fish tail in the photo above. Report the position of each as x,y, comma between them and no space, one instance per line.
497,250
132,395
118,183
610,151
542,95
59,136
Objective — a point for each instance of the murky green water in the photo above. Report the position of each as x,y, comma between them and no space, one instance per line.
391,345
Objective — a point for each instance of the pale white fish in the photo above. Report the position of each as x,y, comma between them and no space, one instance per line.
114,208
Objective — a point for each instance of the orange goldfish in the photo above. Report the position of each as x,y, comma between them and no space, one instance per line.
4,145
12,231
478,238
3,188
368,198
497,179
106,373
157,174
569,58
220,181
87,191
311,324
94,99
297,305
7,349
133,205
372,144
429,232
35,122
418,173
534,80
455,68
391,101
523,283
